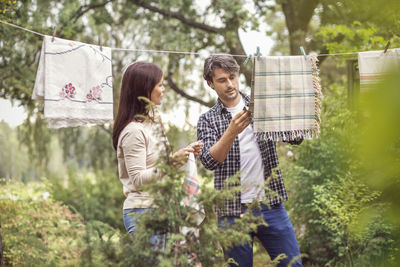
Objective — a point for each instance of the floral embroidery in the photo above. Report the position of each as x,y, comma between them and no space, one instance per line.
68,91
95,93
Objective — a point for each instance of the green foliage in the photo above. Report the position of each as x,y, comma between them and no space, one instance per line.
36,230
36,136
6,5
15,162
329,195
39,231
379,147
11,158
97,196
354,37
87,147
170,215
339,204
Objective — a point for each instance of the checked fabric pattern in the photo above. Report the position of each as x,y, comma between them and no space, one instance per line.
210,128
287,96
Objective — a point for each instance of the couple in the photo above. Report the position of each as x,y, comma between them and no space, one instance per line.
229,146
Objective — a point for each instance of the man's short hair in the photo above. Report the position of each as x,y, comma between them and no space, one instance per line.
225,62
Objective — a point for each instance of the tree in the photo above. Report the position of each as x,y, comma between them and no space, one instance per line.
179,25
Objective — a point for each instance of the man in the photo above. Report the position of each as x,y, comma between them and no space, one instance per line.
231,146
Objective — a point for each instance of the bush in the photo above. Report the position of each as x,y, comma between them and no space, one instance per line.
36,230
170,216
97,196
328,195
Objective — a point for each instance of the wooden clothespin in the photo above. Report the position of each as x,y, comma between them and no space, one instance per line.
101,47
247,59
303,52
54,34
258,52
386,47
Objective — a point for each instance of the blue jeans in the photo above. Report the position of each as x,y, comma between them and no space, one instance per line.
130,221
277,238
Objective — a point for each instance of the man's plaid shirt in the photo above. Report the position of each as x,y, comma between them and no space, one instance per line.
210,127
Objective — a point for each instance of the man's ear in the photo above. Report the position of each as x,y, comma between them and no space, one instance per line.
211,84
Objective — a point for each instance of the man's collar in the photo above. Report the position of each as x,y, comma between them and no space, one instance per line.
221,108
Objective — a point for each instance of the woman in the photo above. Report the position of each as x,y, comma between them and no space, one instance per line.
136,139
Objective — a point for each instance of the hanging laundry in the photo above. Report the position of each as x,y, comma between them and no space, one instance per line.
287,97
374,64
74,80
191,185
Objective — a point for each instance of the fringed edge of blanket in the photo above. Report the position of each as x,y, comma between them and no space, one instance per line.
287,135
318,92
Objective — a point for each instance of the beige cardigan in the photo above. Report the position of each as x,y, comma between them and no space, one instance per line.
137,152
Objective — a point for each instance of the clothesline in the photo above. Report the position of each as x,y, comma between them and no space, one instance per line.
166,51
73,98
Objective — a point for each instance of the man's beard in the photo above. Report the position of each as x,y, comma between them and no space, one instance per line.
230,98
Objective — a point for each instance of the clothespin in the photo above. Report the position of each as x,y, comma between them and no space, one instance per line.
303,52
54,34
247,59
101,47
386,47
258,52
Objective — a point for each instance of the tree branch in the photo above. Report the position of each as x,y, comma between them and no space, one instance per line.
185,95
178,16
85,8
106,130
234,45
80,12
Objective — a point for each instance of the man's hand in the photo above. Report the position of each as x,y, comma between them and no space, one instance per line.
220,150
197,146
239,122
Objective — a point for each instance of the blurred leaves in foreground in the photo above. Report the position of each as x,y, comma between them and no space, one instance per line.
344,200
379,144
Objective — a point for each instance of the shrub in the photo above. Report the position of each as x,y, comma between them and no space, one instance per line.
328,194
36,230
97,196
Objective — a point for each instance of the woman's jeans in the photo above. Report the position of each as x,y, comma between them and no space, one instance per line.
277,238
130,221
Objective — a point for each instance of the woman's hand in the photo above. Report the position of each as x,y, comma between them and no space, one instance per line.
181,156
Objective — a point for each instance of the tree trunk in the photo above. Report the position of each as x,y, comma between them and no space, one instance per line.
298,15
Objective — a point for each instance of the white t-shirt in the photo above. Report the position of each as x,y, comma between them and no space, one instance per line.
251,166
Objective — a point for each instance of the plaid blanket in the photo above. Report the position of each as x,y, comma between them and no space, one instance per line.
287,95
374,64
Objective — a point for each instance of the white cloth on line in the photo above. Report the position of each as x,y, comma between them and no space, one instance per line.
191,185
374,64
75,81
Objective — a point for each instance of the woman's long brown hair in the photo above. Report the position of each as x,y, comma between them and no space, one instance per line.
138,81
